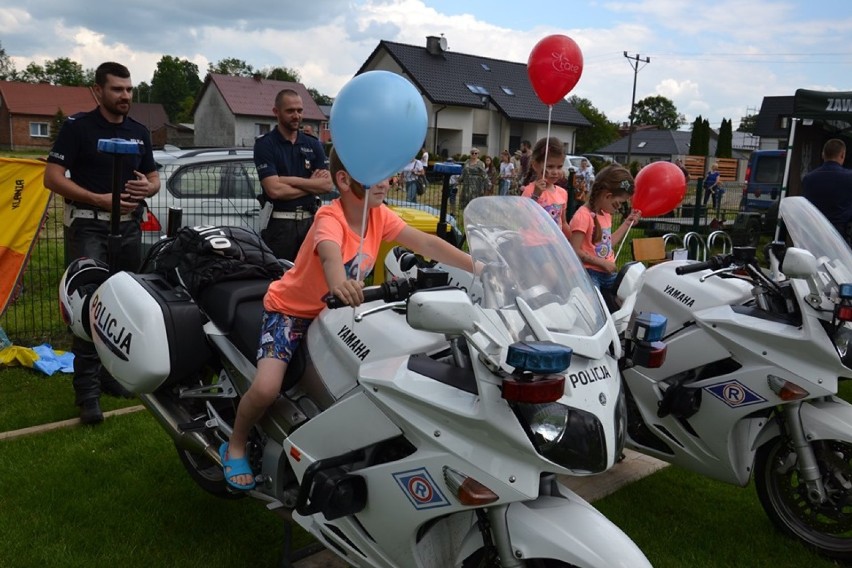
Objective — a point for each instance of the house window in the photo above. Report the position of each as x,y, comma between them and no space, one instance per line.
507,90
485,66
477,89
480,140
39,130
260,129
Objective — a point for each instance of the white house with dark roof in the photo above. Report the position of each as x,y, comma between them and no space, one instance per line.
233,111
473,100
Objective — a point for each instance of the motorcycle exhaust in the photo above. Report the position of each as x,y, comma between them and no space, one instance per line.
168,414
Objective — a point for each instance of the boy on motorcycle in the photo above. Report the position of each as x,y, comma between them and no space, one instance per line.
337,254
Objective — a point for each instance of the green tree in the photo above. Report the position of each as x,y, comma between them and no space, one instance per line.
33,73
320,98
174,80
748,123
63,71
658,111
724,146
602,131
699,142
282,74
142,93
231,66
56,124
7,67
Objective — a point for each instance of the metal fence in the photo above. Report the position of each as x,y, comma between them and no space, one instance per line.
32,316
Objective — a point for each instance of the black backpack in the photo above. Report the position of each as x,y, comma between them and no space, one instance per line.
199,256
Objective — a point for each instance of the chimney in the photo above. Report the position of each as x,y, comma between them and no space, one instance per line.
433,45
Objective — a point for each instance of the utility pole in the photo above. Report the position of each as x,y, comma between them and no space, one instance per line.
634,64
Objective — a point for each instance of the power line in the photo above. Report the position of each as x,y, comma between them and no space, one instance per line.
634,64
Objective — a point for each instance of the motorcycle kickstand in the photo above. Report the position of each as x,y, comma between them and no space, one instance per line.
288,555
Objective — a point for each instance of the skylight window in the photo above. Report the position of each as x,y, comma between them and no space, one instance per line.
485,66
642,144
507,90
477,89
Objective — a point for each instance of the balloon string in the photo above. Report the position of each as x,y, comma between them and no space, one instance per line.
363,230
623,240
358,258
546,146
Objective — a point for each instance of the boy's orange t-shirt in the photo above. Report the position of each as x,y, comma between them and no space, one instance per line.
584,221
300,291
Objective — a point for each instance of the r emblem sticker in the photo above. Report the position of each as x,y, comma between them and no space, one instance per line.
735,394
420,489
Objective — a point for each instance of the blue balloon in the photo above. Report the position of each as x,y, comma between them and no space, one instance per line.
378,124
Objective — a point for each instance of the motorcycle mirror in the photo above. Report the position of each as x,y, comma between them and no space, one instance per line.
446,310
798,263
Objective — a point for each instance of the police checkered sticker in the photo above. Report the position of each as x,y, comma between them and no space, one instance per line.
420,489
735,394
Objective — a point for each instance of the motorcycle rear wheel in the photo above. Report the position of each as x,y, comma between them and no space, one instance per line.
207,474
827,527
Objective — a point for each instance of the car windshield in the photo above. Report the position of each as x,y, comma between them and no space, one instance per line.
531,274
810,230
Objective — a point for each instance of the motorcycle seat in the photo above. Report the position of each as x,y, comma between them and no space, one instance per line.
236,307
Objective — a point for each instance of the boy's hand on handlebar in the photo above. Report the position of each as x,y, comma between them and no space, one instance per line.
350,292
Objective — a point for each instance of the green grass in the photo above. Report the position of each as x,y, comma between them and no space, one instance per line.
116,495
30,398
680,519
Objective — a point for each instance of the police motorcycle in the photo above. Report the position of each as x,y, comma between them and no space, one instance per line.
420,429
733,373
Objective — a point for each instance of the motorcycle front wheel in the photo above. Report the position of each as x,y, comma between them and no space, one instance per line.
825,527
484,559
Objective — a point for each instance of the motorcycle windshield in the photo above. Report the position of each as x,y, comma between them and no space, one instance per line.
530,265
810,230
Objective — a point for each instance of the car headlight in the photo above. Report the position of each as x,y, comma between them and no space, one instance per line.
568,437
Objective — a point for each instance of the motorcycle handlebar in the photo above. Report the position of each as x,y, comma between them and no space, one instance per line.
714,263
392,291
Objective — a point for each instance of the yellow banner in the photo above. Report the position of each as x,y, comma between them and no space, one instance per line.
23,205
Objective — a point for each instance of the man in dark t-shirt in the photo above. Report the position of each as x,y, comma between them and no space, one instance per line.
293,171
88,202
829,187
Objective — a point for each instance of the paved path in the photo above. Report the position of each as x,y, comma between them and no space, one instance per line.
632,468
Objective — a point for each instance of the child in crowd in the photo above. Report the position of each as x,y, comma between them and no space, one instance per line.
328,260
544,190
590,230
507,173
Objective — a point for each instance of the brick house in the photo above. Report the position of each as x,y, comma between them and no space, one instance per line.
233,111
27,111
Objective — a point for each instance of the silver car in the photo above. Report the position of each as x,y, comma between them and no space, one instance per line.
210,187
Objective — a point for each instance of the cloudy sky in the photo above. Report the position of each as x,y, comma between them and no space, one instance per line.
716,59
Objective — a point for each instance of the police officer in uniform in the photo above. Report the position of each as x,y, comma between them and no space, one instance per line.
88,201
293,172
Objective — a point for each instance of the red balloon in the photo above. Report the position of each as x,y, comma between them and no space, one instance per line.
554,67
659,188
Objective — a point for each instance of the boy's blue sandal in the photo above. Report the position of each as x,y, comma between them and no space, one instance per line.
235,467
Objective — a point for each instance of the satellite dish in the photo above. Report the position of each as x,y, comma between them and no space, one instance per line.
443,43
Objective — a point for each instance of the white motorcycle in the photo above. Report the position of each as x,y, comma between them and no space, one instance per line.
745,382
422,429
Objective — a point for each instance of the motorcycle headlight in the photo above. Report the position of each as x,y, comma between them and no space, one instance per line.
569,437
842,342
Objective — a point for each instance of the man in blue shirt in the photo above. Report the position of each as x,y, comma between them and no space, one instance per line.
293,171
88,200
829,187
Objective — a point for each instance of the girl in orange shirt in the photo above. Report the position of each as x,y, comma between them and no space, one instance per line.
590,230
